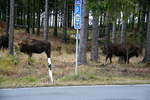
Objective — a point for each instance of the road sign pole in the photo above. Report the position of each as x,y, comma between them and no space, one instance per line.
77,26
77,46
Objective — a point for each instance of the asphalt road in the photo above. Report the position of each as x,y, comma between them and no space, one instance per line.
102,92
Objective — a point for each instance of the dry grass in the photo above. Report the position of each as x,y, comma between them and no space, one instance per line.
16,72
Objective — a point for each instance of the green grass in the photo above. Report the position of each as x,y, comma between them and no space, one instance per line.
16,72
21,71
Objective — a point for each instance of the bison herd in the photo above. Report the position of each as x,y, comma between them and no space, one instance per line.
31,46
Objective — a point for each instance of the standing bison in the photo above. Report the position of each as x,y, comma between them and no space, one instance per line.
4,39
37,46
123,52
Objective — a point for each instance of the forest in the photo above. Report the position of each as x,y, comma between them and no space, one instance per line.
114,42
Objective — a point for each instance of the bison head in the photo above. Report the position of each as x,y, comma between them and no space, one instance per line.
134,51
23,45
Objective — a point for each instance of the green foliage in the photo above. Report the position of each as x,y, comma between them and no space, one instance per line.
14,60
8,65
114,7
28,79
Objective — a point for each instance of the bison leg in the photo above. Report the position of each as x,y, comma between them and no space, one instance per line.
128,61
125,59
110,58
29,58
106,59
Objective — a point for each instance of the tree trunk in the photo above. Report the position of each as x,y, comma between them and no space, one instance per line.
7,17
56,14
147,50
114,33
28,17
11,28
65,21
82,58
123,34
94,52
33,17
38,18
46,21
122,38
107,35
24,17
21,17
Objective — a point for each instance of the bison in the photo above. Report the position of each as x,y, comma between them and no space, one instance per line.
4,39
35,46
123,52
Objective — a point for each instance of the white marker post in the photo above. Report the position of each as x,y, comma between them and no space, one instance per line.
77,25
50,70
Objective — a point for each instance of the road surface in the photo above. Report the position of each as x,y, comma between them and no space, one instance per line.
102,92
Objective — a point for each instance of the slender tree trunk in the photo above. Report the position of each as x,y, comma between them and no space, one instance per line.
82,58
33,17
24,17
133,23
122,38
28,17
46,21
114,33
56,14
65,21
94,52
123,34
147,50
7,17
107,35
38,18
21,16
11,28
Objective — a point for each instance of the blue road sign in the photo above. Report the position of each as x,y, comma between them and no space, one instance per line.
77,2
77,14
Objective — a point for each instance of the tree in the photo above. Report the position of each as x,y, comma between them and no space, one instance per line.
94,52
65,17
38,17
107,34
114,32
7,16
46,21
123,34
93,6
147,50
56,15
28,17
11,28
82,58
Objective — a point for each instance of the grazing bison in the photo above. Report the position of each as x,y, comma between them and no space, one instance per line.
4,39
123,52
35,46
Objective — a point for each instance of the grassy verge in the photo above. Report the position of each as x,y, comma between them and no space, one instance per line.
15,71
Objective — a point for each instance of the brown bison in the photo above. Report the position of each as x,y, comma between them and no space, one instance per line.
4,39
35,46
123,52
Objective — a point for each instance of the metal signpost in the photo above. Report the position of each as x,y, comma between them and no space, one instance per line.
77,26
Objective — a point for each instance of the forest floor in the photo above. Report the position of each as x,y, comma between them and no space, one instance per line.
16,72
